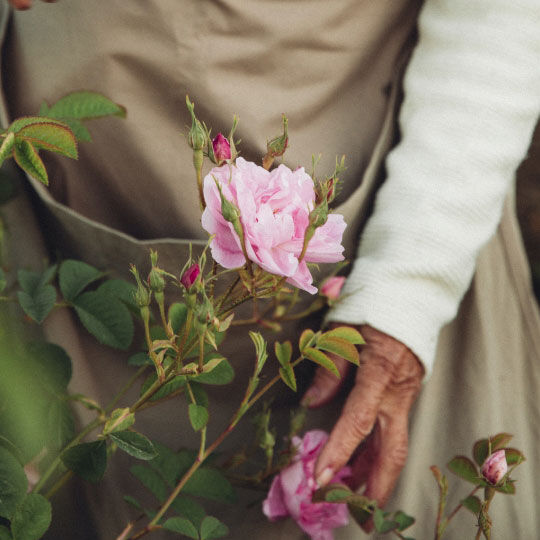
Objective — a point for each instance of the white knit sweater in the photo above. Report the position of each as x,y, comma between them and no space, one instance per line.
472,97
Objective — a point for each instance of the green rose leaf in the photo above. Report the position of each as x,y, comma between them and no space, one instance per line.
305,339
335,493
52,363
403,520
84,105
210,484
29,161
32,518
189,509
481,451
38,305
87,460
120,420
13,483
340,347
283,352
106,318
6,148
260,350
60,424
222,373
347,333
500,441
134,444
464,468
50,136
320,358
507,488
75,276
514,456
123,291
473,504
140,359
151,480
201,397
183,526
24,121
211,527
288,377
198,416
177,316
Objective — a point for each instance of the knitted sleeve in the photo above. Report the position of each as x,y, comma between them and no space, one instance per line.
472,97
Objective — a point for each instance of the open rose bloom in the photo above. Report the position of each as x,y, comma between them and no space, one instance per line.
274,213
291,491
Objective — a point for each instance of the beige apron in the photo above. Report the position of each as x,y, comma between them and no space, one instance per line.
325,64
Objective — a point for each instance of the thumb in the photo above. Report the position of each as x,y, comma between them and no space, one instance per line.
325,385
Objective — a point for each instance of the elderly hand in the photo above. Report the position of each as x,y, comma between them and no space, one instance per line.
373,423
25,4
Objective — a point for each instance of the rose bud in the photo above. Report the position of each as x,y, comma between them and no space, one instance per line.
190,276
331,288
495,467
222,148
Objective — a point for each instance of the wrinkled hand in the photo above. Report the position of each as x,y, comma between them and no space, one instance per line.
374,421
25,4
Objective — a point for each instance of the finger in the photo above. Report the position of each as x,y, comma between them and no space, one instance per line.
358,416
325,385
390,458
363,459
21,4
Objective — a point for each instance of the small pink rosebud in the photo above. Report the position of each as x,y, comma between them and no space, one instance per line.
190,276
495,467
331,288
222,148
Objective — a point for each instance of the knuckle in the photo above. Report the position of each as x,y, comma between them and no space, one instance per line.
359,425
398,455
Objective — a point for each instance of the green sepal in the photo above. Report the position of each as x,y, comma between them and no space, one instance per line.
87,460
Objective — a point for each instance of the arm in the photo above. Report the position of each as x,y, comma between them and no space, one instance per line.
472,97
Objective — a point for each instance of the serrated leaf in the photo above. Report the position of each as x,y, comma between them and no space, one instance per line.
198,416
283,352
79,129
177,316
211,527
463,467
403,520
507,488
288,377
32,518
87,460
50,136
260,350
135,444
24,121
500,441
340,347
151,480
75,276
212,363
473,504
140,359
514,456
120,420
13,483
183,526
305,339
85,105
52,365
38,305
29,161
222,373
60,424
347,333
122,290
190,509
167,463
320,358
210,484
108,320
481,451
6,148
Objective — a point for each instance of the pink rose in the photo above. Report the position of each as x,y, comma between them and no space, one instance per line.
274,213
331,288
189,277
495,467
291,491
221,148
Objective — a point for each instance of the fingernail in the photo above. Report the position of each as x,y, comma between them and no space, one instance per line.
311,396
325,477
